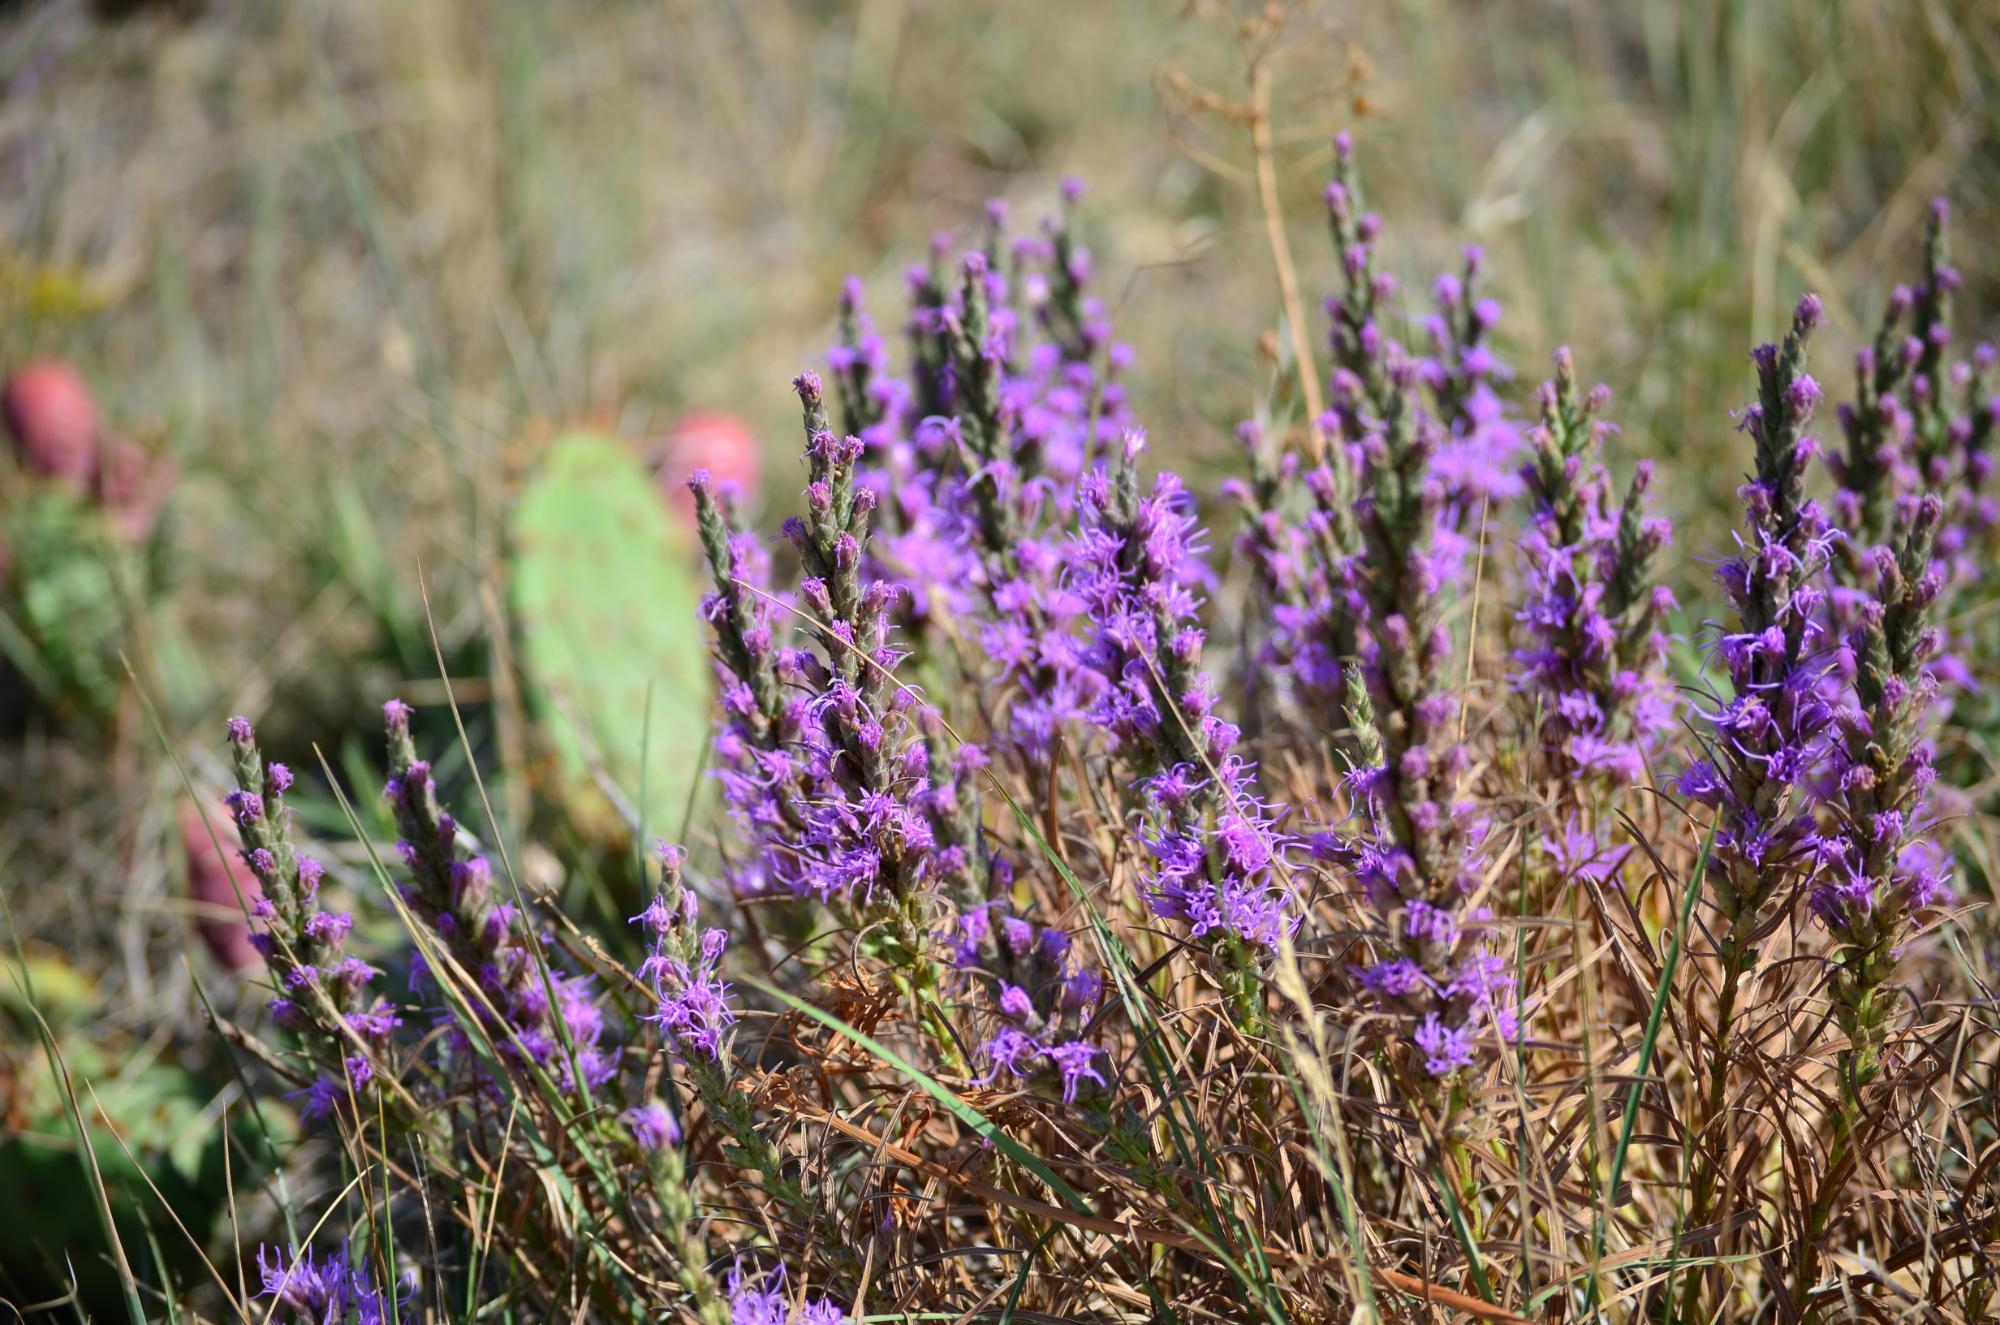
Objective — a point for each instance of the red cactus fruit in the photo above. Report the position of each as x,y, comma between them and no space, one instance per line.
53,420
214,880
720,443
132,484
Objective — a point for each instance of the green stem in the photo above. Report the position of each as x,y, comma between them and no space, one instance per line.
1822,1210
1706,1158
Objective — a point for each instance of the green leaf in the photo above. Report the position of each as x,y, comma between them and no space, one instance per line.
606,590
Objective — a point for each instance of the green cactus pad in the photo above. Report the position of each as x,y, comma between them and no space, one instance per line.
605,590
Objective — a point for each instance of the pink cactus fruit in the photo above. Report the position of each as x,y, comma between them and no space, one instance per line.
720,443
215,877
53,421
132,485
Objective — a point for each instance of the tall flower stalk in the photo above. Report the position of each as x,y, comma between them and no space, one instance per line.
1417,844
1919,424
1899,429
532,1015
1218,852
1358,557
693,1011
1769,737
842,791
322,999
1305,531
1589,665
1879,870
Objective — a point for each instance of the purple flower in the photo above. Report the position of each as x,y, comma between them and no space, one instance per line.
1879,869
1590,660
451,888
1420,448
1010,1050
1917,424
320,1099
691,999
1014,1002
376,1023
302,944
1041,993
1772,735
329,927
328,1290
765,1300
1396,978
835,781
1218,855
651,1126
1445,1048
1074,1060
1579,854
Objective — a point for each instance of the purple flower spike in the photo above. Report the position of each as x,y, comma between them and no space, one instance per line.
691,1001
326,1004
1772,734
1590,663
1878,869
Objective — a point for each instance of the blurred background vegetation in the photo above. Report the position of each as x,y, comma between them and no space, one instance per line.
362,268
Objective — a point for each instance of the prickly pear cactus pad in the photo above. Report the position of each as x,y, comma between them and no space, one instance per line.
605,592
64,622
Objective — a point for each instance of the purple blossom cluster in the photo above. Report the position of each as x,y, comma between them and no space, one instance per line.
692,1000
1013,397
329,1289
1028,442
1919,423
534,1015
1217,852
1093,633
1877,867
1476,461
1769,735
1039,993
1416,846
1302,533
1589,665
1475,458
651,1127
828,763
1014,385
1419,449
763,1299
322,989
1299,537
986,472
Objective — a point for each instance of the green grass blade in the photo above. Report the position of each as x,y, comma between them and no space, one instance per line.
937,1090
